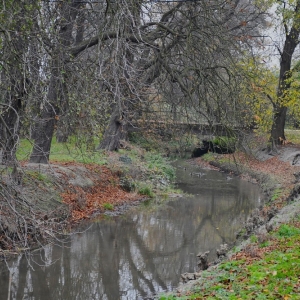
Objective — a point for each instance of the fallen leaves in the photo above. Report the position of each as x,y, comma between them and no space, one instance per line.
84,203
247,164
267,269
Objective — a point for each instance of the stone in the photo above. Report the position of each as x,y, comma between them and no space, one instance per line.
203,260
222,251
185,277
125,159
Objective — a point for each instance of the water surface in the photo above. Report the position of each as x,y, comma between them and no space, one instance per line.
141,253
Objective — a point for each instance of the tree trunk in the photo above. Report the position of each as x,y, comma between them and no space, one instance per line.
13,103
57,91
117,128
63,127
116,131
43,134
62,132
9,129
277,132
44,127
291,41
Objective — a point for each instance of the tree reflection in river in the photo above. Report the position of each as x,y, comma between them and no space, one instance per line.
138,254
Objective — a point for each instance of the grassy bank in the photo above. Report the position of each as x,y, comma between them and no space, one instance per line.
267,265
266,269
146,172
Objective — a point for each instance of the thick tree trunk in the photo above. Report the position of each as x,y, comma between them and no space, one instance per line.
116,131
57,92
277,132
13,88
14,96
43,136
9,129
64,129
291,41
44,127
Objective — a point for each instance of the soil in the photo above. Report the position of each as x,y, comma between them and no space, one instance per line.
48,200
86,189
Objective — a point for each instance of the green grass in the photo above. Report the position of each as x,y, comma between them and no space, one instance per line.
36,175
208,156
108,206
157,172
253,238
274,276
144,172
292,136
146,143
225,142
276,194
159,165
71,151
286,230
24,149
146,191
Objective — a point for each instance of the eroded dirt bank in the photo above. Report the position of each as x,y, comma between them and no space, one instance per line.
46,201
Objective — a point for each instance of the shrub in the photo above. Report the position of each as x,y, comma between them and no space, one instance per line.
288,231
159,164
108,206
226,143
147,191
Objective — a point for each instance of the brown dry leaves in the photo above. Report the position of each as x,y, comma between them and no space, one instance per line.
273,166
276,168
84,203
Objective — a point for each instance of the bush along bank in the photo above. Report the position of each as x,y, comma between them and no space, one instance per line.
265,262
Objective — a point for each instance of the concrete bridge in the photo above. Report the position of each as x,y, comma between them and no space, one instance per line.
165,127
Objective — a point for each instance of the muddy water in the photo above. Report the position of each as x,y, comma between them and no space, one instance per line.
141,253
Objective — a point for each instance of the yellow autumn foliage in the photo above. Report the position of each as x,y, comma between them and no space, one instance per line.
259,91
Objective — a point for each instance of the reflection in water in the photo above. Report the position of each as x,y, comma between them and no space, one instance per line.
138,254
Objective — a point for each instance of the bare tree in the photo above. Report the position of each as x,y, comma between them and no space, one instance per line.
140,52
56,99
191,48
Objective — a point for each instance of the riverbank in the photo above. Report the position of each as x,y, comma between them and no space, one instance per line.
58,196
265,262
40,203
156,240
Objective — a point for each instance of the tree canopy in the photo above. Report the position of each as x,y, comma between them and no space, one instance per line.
94,69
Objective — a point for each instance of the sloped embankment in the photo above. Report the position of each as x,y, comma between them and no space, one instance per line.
265,264
46,200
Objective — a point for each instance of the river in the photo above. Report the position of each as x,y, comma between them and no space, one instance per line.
140,253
